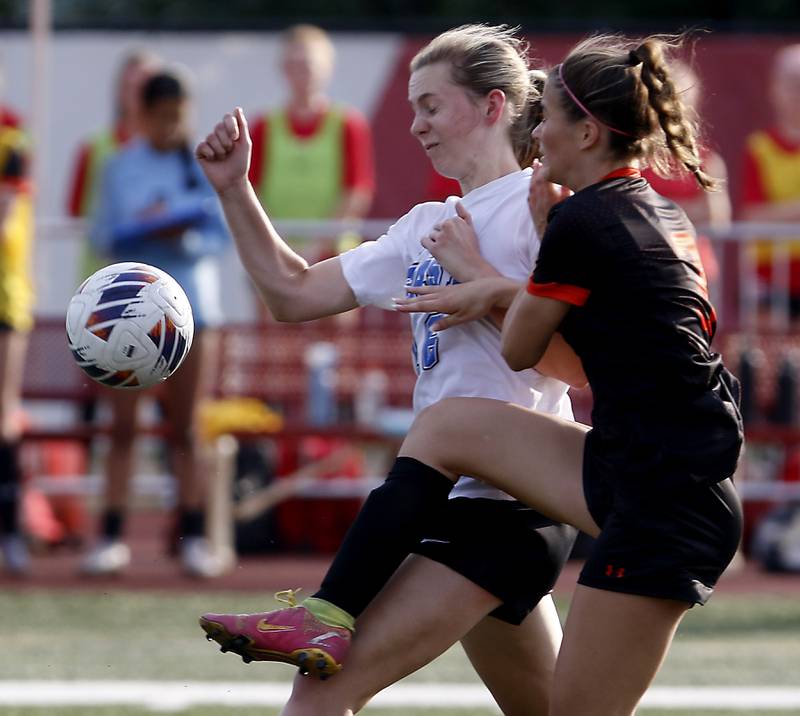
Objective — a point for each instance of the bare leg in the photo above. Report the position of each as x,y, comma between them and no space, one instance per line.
614,642
534,457
613,646
409,623
119,463
13,345
186,389
507,657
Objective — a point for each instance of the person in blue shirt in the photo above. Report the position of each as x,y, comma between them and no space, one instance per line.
155,206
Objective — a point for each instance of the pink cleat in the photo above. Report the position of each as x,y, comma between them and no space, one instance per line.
293,636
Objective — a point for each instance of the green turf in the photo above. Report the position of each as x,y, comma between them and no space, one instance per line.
742,641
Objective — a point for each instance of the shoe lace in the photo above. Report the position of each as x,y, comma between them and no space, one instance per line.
288,596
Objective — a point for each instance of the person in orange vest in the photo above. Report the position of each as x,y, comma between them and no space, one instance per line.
16,319
771,190
136,67
312,158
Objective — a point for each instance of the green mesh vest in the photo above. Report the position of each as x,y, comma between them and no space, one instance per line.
302,176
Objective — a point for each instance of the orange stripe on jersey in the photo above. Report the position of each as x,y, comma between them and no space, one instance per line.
707,323
573,295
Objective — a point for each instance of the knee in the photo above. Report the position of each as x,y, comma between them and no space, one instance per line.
437,420
436,430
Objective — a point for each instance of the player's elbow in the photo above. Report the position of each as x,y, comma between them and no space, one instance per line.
517,359
287,313
519,354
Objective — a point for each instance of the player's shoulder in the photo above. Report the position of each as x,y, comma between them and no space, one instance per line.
424,215
432,209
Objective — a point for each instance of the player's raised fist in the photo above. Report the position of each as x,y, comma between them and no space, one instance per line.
224,154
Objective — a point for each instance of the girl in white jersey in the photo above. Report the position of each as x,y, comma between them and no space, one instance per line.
472,97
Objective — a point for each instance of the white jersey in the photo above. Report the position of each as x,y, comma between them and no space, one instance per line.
463,361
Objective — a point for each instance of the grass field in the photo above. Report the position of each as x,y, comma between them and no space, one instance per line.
71,636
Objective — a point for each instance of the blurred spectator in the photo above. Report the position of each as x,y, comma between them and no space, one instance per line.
135,68
156,206
16,304
704,208
772,167
312,159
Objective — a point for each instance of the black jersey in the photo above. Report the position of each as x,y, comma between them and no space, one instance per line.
641,322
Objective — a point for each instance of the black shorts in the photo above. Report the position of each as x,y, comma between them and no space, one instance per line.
673,544
504,547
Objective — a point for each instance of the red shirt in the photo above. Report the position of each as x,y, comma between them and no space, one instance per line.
9,118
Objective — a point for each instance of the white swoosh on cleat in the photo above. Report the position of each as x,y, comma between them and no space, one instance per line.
322,637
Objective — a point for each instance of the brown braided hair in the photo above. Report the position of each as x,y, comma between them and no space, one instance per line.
628,86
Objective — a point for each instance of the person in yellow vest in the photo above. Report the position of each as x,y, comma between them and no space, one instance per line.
312,158
771,189
16,319
136,67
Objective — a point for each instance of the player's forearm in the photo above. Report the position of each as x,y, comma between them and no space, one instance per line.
503,290
275,269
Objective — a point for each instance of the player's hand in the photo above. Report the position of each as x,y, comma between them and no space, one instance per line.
454,244
462,302
224,155
542,196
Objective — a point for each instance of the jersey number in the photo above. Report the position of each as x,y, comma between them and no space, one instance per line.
427,273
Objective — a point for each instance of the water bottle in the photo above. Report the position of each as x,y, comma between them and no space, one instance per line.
750,362
371,398
321,359
785,407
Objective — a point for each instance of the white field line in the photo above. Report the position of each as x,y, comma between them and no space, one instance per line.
178,695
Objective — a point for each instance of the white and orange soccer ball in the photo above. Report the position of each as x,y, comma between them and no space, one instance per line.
130,325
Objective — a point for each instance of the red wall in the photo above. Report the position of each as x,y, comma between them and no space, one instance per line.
734,70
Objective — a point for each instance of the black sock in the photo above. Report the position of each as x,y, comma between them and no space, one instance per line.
10,495
191,523
390,523
113,523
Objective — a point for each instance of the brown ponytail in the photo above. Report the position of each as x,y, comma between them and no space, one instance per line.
630,89
679,129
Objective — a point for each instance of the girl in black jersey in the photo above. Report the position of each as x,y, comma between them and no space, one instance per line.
619,277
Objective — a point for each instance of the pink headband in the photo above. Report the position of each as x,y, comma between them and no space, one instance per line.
586,111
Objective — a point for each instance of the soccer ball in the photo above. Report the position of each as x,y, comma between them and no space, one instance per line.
129,325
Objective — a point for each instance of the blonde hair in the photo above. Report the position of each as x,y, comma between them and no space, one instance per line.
313,37
487,57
